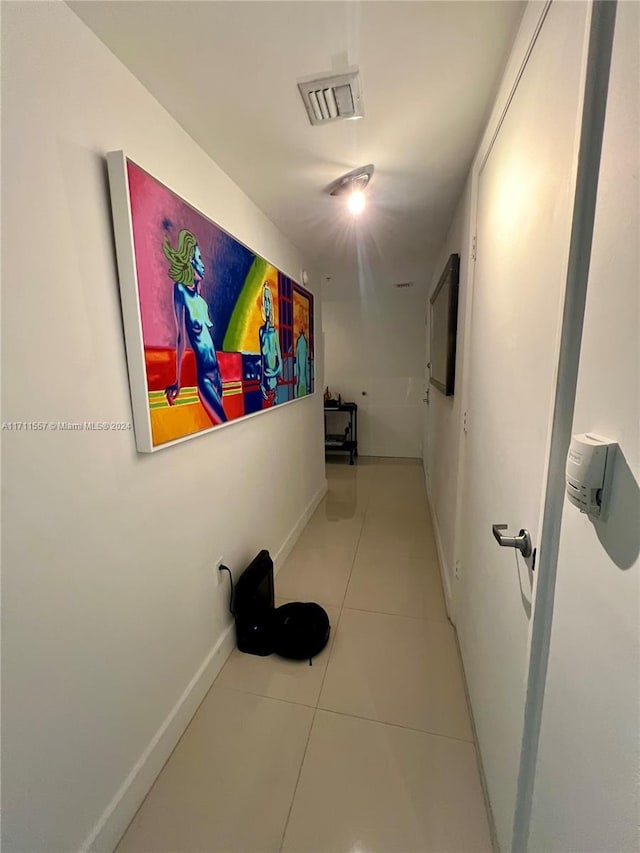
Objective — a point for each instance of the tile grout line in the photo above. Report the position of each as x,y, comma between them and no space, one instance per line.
406,556
295,787
269,698
443,621
353,562
470,743
316,708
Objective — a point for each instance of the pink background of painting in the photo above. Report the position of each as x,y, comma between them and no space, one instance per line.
152,204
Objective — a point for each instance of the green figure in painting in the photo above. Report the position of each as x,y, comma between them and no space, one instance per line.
187,270
303,367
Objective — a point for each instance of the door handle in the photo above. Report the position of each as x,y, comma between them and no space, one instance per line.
522,541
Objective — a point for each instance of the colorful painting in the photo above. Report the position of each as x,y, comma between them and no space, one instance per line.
214,332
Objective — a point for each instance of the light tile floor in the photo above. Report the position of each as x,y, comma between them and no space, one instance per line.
370,749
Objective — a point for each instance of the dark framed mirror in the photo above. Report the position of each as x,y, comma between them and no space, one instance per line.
443,323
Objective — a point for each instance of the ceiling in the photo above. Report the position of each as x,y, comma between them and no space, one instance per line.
227,72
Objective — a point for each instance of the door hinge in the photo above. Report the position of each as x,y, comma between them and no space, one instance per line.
465,423
474,247
456,570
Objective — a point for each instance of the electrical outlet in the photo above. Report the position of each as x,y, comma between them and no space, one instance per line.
220,576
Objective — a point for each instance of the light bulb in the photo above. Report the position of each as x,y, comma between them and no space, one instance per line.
356,202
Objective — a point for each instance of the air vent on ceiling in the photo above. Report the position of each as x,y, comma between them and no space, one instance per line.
332,98
404,284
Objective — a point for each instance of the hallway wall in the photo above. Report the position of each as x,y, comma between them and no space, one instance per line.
587,786
587,789
443,419
443,415
377,345
114,624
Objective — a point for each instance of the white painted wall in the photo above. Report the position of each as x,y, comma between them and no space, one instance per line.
443,415
113,625
376,343
587,788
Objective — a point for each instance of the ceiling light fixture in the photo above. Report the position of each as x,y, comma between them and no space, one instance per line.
356,202
353,185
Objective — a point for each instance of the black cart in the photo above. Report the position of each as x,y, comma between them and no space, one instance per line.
347,440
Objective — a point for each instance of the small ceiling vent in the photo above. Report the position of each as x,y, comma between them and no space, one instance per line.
332,98
402,284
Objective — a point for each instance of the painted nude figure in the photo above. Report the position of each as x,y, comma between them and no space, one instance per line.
187,270
270,355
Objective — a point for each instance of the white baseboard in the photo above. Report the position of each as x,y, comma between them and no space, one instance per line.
120,811
446,584
287,546
445,575
115,819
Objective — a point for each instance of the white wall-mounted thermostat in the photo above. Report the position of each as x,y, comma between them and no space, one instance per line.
589,468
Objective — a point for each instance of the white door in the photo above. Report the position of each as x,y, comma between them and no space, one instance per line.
525,194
